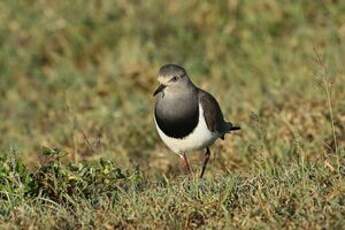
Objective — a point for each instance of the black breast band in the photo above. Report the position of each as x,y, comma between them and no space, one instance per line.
179,126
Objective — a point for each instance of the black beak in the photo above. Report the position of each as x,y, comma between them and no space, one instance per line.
159,89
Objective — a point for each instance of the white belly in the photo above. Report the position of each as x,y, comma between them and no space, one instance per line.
200,138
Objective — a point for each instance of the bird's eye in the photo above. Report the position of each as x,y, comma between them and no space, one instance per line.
174,78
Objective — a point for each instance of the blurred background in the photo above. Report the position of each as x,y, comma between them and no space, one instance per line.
78,76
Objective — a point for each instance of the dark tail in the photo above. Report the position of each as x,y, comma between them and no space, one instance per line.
229,128
234,128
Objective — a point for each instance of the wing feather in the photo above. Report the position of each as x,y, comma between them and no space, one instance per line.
212,112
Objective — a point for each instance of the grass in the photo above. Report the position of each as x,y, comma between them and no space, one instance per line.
78,145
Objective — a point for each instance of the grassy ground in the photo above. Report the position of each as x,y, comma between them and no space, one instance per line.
78,146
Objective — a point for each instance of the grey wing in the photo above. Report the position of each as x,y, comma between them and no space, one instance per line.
212,112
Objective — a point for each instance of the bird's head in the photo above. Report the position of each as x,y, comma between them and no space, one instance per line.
172,78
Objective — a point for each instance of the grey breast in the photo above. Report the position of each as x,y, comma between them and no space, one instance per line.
177,116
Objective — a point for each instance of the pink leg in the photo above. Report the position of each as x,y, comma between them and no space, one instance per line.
205,161
185,163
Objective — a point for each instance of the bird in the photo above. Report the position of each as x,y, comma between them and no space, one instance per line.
187,117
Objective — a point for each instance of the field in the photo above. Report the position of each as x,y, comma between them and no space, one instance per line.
78,147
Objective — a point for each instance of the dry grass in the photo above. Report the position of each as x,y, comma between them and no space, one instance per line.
78,78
